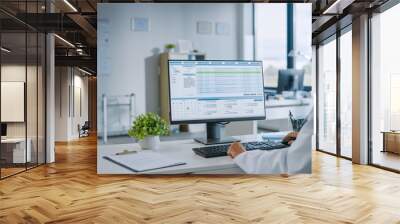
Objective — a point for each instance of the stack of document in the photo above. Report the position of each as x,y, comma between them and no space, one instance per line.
144,161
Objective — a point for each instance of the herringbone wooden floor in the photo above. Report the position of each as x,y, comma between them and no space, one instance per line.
70,191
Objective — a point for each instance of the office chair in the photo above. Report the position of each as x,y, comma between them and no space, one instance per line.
84,130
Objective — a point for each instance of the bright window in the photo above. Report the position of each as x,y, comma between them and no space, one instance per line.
327,97
385,84
270,40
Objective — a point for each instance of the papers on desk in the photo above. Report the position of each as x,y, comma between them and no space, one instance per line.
144,161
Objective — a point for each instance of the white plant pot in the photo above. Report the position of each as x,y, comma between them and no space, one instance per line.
170,50
150,142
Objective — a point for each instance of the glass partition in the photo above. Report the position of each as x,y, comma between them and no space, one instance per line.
385,89
22,91
346,94
15,149
327,97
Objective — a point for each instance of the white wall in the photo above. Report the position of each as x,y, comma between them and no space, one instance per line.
128,62
79,117
130,54
217,47
33,126
62,81
12,73
66,119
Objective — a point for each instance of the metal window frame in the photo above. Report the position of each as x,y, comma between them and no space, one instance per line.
334,37
381,9
387,5
44,74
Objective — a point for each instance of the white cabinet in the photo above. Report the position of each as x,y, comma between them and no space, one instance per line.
17,146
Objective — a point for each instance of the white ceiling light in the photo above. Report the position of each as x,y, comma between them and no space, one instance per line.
5,50
70,5
65,41
337,7
84,71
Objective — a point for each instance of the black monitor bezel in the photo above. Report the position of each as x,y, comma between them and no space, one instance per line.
3,126
213,120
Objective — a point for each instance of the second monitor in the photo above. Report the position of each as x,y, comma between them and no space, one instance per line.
290,80
214,92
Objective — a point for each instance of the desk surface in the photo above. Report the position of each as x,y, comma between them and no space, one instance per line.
391,132
13,140
287,102
181,150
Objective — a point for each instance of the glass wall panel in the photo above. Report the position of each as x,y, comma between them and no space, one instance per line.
346,94
327,97
32,96
385,84
14,153
22,90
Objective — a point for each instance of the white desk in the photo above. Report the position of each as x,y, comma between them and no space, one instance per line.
277,113
279,109
18,149
181,150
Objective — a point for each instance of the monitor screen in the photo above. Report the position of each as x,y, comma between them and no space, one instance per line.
290,80
211,91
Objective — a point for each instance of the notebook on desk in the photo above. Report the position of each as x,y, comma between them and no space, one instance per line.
144,161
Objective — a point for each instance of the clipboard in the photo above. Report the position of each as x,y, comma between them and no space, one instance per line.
143,161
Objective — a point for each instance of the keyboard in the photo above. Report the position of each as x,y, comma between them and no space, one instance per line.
221,150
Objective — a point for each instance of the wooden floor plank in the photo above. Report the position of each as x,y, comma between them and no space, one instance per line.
70,191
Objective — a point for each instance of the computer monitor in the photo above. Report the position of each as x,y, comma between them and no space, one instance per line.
290,80
3,130
215,91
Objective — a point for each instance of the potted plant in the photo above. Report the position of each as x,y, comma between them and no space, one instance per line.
170,48
147,128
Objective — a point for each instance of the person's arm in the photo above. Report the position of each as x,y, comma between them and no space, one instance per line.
299,154
259,162
290,138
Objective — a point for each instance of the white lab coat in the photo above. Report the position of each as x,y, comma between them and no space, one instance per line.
291,160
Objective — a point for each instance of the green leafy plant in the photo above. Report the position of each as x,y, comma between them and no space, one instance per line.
170,46
148,124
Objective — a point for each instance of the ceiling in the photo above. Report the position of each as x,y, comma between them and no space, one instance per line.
76,21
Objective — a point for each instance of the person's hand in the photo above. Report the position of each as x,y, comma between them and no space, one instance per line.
235,149
290,137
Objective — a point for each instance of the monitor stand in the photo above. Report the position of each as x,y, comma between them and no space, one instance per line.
215,135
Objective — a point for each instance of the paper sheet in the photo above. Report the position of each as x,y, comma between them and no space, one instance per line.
144,161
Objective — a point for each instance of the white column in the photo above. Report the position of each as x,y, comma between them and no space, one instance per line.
360,90
50,100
